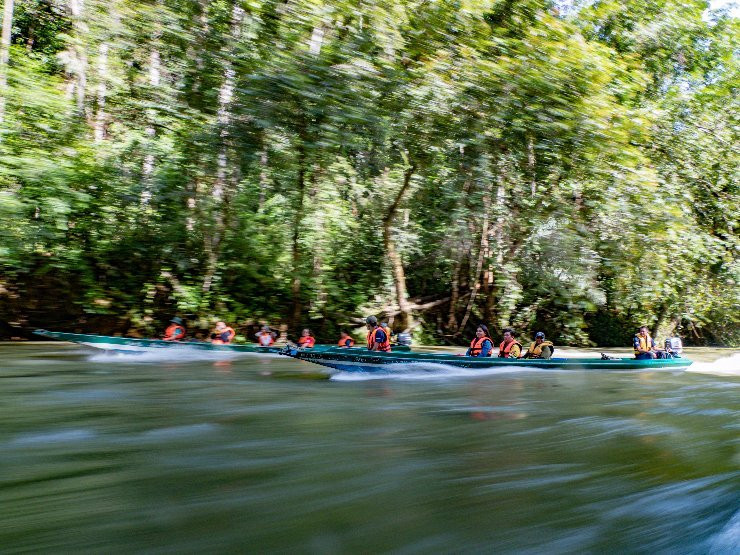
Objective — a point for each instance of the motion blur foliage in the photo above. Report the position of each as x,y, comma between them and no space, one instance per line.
439,164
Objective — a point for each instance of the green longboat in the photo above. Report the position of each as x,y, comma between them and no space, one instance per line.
136,345
362,360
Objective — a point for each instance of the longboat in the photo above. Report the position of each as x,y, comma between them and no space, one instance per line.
136,345
362,360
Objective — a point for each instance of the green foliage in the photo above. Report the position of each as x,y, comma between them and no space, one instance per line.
237,160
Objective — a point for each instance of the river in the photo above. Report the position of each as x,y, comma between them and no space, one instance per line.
114,454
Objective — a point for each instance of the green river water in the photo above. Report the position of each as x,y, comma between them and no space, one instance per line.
117,454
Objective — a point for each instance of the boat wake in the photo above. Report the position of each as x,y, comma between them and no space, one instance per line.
422,371
166,355
725,366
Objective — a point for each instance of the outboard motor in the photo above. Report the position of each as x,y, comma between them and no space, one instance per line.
404,338
674,346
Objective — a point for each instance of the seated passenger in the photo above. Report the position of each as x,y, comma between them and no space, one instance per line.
306,340
175,331
387,329
645,346
223,335
481,346
509,347
540,348
377,339
265,337
345,339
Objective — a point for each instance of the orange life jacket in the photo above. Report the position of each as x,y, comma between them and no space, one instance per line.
174,332
476,346
307,342
505,348
343,342
371,342
220,341
267,334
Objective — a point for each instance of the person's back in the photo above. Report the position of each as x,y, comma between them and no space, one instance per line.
223,335
175,331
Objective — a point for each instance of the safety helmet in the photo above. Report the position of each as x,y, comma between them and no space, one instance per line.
372,320
539,335
177,321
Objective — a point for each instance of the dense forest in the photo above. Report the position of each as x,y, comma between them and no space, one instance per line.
570,167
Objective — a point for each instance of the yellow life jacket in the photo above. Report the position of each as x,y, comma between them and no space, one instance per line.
645,343
536,350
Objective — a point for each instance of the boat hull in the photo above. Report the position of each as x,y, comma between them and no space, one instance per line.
360,360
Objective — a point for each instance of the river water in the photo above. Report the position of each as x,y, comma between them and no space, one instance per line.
115,454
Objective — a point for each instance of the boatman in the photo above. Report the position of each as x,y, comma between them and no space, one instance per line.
265,337
645,346
481,346
175,331
377,339
387,329
345,339
540,348
509,347
224,334
306,340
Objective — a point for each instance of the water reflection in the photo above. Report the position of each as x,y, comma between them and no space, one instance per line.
208,456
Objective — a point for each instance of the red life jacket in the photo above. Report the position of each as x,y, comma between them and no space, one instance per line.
220,341
504,348
371,342
476,346
307,342
174,332
343,342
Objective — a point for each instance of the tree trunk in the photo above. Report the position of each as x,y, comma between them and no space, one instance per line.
100,116
482,253
399,276
222,188
4,55
296,251
78,54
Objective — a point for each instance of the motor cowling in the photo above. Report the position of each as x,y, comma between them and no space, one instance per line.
674,345
404,338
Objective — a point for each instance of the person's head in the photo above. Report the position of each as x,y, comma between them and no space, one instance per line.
643,330
177,321
509,334
384,325
539,337
343,334
266,328
220,325
482,331
306,332
371,321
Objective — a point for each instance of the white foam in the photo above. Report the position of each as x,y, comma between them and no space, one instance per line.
725,366
178,355
728,539
429,371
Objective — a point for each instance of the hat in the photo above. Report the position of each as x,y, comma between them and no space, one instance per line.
372,320
177,321
539,335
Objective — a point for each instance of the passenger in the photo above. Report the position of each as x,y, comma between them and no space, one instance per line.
265,337
481,346
510,347
388,331
645,346
175,331
306,340
540,348
345,339
224,334
377,339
